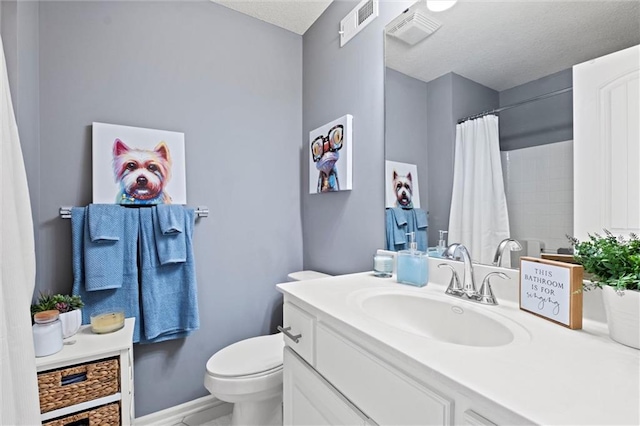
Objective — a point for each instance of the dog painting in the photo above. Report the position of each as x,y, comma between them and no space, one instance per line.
136,166
403,188
402,185
330,161
142,173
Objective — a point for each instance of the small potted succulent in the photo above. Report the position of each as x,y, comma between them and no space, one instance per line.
68,306
613,263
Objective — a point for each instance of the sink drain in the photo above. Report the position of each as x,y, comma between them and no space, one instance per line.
457,310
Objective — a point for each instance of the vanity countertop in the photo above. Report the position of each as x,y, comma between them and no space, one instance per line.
555,376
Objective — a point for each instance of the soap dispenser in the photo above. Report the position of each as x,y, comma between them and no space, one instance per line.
413,265
441,247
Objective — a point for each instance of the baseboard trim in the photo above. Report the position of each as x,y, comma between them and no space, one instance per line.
213,407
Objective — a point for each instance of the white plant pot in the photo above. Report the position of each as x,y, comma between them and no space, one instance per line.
71,322
623,315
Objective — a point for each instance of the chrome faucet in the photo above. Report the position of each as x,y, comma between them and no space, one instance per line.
514,245
467,289
468,284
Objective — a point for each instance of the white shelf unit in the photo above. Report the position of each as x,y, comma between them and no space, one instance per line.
89,347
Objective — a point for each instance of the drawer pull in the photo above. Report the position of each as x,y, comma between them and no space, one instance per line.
73,378
83,422
295,338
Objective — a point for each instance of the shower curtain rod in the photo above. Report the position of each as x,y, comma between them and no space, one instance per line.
526,101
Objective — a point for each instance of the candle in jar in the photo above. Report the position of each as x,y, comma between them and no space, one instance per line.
382,265
107,322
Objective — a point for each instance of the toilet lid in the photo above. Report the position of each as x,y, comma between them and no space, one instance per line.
247,357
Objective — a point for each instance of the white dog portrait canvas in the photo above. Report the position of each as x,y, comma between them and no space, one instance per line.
401,185
133,165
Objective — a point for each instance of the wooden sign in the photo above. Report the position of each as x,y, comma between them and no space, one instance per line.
552,290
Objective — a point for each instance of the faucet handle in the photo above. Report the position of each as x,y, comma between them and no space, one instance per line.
485,295
455,287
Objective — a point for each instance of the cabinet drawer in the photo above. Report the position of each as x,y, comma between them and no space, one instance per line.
106,415
69,386
303,325
383,393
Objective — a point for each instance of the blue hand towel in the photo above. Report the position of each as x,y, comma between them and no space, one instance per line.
103,248
389,222
401,228
168,225
396,229
421,218
168,292
124,298
105,222
419,226
170,218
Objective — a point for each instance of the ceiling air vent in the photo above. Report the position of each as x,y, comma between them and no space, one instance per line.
361,16
413,27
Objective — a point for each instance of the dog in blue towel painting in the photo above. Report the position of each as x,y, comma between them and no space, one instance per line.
403,190
324,151
142,173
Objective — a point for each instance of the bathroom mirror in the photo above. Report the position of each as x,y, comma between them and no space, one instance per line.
480,56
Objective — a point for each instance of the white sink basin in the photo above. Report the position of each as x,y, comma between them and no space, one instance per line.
441,318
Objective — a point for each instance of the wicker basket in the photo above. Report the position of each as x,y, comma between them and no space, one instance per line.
106,415
80,383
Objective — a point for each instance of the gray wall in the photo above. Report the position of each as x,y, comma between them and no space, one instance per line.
471,98
342,230
406,125
441,136
450,98
233,85
541,122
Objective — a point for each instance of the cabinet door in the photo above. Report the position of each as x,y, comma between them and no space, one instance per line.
310,400
606,149
386,394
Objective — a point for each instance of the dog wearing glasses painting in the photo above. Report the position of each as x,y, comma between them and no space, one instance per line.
324,151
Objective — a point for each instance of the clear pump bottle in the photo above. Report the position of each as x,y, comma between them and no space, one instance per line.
413,265
438,250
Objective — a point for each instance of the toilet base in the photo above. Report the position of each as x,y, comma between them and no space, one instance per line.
267,412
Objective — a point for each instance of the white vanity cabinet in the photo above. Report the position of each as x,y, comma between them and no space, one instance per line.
334,379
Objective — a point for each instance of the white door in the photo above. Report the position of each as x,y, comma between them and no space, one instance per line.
310,400
606,150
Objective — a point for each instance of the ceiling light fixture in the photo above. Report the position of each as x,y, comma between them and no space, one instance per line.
440,5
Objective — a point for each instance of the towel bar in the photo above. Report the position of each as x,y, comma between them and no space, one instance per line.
201,211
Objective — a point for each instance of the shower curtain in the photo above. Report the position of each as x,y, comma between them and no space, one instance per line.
18,384
478,217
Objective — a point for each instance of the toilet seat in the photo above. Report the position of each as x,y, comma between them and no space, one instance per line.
247,376
250,358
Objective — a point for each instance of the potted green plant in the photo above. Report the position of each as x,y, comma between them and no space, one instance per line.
68,306
613,263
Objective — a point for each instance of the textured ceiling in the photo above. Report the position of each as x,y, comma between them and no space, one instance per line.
502,44
293,15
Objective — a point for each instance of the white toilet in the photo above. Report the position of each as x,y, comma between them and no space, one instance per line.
249,374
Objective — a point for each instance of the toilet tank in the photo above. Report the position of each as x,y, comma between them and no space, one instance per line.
306,275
